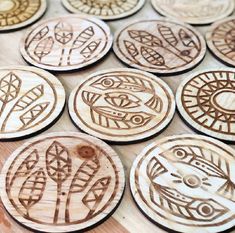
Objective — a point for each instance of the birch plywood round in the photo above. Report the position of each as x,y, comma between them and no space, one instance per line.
220,40
206,100
62,182
197,12
185,182
159,46
122,105
19,13
106,10
30,100
66,43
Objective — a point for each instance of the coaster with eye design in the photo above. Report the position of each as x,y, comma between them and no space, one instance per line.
62,182
206,100
186,182
15,14
122,105
160,46
106,10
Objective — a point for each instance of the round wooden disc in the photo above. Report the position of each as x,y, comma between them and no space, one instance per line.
106,10
206,100
186,183
66,43
122,105
159,46
30,100
197,12
62,182
220,40
19,13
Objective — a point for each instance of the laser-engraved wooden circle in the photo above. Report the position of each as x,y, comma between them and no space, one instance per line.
62,182
206,100
159,46
106,10
30,100
66,43
197,12
186,183
221,42
122,105
20,13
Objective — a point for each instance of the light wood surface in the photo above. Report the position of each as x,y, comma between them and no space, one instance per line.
186,182
128,217
161,46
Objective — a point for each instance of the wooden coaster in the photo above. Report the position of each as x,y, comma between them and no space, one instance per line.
220,40
122,105
159,46
66,43
62,182
199,12
206,100
30,100
20,13
106,10
186,183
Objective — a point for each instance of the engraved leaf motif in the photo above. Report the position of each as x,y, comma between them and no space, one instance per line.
152,57
187,39
90,49
155,168
39,35
168,35
63,32
44,47
131,48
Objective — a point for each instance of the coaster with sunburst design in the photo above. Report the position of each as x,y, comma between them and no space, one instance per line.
31,99
106,10
62,182
19,13
122,105
206,100
186,183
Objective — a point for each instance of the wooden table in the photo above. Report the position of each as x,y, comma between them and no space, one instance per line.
127,217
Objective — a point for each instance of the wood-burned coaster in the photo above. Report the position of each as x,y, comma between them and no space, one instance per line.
186,183
30,100
220,40
206,100
19,13
62,182
197,12
66,43
106,10
122,105
159,46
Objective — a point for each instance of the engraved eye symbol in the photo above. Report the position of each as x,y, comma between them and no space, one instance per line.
185,52
205,209
107,82
180,153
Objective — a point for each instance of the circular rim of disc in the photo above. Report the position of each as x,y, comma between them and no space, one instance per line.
185,115
160,221
72,227
129,138
31,20
54,115
102,25
114,17
121,56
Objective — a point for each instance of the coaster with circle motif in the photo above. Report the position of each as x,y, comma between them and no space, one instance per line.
106,10
15,14
206,100
31,100
198,12
159,46
185,182
62,182
66,43
122,105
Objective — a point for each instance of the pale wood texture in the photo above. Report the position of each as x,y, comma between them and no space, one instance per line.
16,14
161,46
185,182
127,215
106,10
197,12
206,101
122,105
